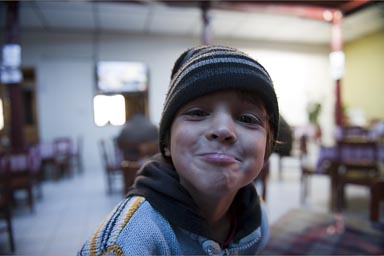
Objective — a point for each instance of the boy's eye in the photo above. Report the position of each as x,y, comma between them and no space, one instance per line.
250,119
196,113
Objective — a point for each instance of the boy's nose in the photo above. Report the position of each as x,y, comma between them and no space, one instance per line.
222,128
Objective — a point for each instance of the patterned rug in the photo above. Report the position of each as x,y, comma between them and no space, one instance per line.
302,232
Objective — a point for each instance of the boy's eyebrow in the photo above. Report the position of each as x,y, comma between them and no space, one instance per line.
255,100
261,109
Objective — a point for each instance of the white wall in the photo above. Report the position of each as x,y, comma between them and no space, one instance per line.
301,78
65,78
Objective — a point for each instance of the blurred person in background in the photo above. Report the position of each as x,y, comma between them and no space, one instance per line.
137,130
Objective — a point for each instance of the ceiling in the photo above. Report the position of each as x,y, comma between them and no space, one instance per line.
228,19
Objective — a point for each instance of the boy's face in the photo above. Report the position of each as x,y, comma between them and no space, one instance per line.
218,142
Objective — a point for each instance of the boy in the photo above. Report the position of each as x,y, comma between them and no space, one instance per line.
219,125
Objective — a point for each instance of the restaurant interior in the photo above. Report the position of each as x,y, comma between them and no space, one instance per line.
73,73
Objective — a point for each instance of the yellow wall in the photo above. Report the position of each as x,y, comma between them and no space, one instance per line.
363,83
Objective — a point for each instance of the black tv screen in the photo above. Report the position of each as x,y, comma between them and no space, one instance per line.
120,76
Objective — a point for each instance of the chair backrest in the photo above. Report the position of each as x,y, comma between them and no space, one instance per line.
380,153
117,157
78,147
18,162
63,146
319,159
34,159
4,169
358,154
351,132
129,170
46,150
103,151
148,149
6,198
110,154
3,164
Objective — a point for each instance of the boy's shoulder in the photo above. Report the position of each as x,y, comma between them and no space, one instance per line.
104,238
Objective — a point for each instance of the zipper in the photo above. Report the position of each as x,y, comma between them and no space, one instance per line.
228,251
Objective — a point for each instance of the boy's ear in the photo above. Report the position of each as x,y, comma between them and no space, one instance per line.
167,152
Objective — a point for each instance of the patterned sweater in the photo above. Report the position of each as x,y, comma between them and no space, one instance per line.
158,217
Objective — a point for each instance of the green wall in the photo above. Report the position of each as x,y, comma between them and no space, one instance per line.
363,83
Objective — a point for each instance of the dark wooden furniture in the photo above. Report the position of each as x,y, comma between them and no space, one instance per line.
20,174
47,160
358,164
35,167
76,154
62,153
5,201
353,132
5,213
130,167
112,162
322,165
129,170
57,158
377,196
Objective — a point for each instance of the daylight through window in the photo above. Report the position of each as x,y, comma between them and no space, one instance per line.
109,109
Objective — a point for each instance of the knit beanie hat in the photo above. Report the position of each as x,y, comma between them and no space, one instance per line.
206,69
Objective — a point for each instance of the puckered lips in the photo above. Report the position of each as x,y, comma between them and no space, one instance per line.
219,158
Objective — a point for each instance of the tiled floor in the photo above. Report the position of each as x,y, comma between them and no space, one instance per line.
63,218
71,209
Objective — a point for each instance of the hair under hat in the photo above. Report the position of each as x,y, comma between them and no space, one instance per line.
206,69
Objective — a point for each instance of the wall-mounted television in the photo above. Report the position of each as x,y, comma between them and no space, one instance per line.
121,76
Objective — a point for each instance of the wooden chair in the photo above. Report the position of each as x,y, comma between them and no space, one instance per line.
320,164
358,164
20,176
130,167
112,161
148,149
377,196
63,148
129,170
347,132
76,154
5,201
48,167
35,167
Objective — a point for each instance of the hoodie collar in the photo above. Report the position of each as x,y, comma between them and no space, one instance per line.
158,182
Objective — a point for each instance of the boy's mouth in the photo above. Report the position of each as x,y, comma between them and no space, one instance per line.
219,158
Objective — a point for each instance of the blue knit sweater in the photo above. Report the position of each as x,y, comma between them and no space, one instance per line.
139,226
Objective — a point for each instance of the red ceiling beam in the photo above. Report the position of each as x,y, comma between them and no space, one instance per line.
305,11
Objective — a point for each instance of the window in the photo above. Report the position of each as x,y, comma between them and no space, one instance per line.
122,91
109,109
121,77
